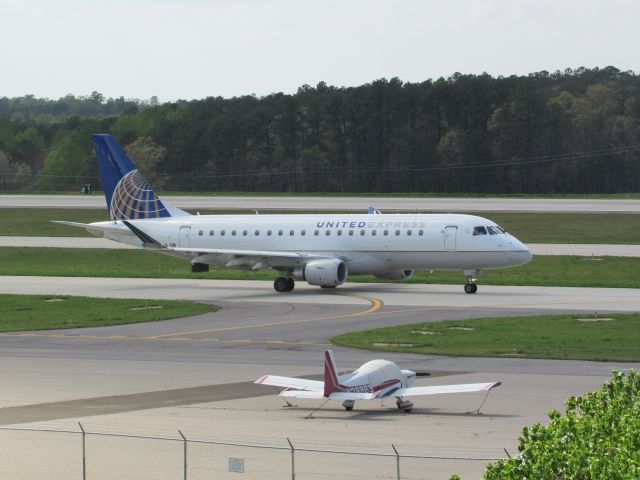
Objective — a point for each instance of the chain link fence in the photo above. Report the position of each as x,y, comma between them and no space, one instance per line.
59,454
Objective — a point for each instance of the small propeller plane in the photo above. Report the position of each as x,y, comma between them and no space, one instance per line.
374,379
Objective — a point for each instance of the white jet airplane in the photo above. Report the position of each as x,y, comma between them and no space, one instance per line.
322,249
374,379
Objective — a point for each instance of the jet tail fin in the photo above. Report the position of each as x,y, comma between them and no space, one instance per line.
331,377
128,195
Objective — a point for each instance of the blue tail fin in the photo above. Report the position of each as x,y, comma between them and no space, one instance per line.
128,195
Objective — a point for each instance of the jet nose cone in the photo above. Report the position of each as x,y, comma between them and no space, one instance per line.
523,255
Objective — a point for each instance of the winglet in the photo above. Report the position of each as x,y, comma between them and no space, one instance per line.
147,240
331,378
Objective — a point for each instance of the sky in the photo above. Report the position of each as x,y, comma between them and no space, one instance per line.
191,49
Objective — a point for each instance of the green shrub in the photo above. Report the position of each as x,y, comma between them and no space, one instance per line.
597,438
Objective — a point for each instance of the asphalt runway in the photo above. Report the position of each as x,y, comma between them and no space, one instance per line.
196,373
439,204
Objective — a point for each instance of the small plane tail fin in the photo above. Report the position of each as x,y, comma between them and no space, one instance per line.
331,377
128,195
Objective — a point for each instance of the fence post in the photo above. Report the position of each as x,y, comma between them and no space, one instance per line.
397,461
184,441
293,460
84,452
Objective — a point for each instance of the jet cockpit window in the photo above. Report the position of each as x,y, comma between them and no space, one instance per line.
479,231
494,230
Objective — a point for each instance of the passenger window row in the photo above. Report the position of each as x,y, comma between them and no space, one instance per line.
303,233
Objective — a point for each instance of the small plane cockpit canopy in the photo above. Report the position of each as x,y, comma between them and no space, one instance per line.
488,230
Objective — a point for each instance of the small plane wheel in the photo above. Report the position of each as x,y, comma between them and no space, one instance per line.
407,410
290,284
470,288
348,409
280,284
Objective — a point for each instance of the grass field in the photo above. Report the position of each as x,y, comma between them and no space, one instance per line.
557,336
37,312
543,271
528,227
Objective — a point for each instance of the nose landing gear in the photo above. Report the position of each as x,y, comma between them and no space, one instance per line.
470,286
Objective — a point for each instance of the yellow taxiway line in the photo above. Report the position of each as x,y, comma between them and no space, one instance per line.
374,307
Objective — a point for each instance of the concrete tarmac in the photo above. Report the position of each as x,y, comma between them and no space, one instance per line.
194,373
436,204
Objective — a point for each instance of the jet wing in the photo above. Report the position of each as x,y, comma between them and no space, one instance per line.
254,259
289,382
440,389
239,253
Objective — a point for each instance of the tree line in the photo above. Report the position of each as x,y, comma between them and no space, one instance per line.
576,131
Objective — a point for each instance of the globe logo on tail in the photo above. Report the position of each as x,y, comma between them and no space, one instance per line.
133,199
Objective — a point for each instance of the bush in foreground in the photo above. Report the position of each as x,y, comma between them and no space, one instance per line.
597,438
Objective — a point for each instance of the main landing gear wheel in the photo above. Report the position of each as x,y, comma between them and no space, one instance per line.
404,405
284,284
348,405
290,284
470,288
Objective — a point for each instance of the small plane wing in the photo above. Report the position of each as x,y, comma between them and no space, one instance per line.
301,384
311,395
440,389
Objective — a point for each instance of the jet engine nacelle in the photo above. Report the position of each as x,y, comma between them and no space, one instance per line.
325,273
396,275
